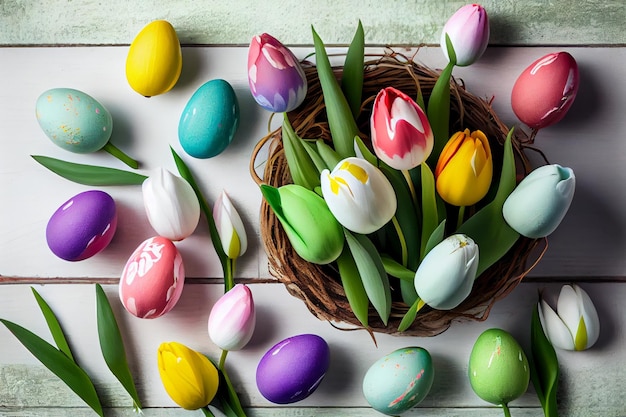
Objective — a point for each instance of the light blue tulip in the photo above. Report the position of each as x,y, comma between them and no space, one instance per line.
538,204
446,275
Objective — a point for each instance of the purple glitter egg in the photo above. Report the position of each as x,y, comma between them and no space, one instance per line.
83,226
293,368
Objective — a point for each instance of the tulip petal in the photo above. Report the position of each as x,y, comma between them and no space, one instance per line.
590,316
554,328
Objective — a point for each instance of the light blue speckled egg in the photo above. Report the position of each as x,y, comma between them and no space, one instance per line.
398,381
73,120
209,120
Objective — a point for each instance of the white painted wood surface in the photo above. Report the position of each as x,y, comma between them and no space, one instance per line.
588,247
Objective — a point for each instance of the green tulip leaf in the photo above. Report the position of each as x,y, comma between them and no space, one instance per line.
430,216
59,364
53,325
303,171
352,78
544,366
487,227
272,197
366,154
396,269
227,395
342,125
327,153
112,345
435,237
438,110
310,146
372,271
410,315
117,152
353,286
89,174
185,173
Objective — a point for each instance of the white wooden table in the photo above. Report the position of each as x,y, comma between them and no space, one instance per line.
588,248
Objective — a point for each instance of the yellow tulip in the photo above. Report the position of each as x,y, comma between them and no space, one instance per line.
189,377
464,169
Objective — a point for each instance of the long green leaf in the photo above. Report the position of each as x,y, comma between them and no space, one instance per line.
342,125
352,78
430,217
396,269
112,345
373,275
89,174
436,237
59,364
302,169
353,286
328,154
487,227
53,325
185,172
410,315
320,164
544,366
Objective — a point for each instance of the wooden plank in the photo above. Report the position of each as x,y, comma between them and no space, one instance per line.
591,381
590,242
524,22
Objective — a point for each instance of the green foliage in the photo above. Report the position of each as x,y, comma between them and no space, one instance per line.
89,174
544,366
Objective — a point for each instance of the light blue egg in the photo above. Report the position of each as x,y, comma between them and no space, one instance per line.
209,120
398,381
73,120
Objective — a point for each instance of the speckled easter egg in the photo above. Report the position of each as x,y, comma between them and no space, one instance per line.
83,226
210,119
544,92
152,280
498,368
293,368
73,120
398,381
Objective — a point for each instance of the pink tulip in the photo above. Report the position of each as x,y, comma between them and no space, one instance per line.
232,319
401,134
468,30
277,81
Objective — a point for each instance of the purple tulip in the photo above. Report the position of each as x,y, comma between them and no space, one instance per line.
468,30
277,81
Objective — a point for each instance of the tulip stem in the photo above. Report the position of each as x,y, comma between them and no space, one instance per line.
507,412
116,152
405,252
207,412
409,181
229,280
222,360
459,221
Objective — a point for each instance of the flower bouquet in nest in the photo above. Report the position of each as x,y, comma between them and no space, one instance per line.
394,199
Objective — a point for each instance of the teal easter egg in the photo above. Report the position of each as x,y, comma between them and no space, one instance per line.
209,120
398,381
73,120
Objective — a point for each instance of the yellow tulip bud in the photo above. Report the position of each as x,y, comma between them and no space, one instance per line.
189,377
464,169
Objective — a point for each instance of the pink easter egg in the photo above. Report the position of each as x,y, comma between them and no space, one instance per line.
152,280
544,92
82,226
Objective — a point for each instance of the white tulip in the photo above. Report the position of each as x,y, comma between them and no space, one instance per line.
447,273
575,324
359,195
229,227
171,205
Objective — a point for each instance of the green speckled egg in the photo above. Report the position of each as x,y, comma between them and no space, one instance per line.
498,368
398,381
210,119
73,120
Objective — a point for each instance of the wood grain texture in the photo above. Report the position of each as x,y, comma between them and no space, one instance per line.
528,22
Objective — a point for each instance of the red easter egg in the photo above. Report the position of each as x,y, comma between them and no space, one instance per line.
544,92
152,280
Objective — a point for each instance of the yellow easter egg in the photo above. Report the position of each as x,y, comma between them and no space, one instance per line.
154,60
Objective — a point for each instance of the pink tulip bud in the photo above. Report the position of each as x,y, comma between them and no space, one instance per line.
468,30
277,81
401,134
232,319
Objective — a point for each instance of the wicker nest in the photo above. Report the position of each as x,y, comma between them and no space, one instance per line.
319,286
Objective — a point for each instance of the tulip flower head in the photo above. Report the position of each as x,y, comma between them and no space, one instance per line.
447,273
539,203
468,30
359,195
276,79
464,170
229,227
171,205
401,133
575,324
189,377
232,319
